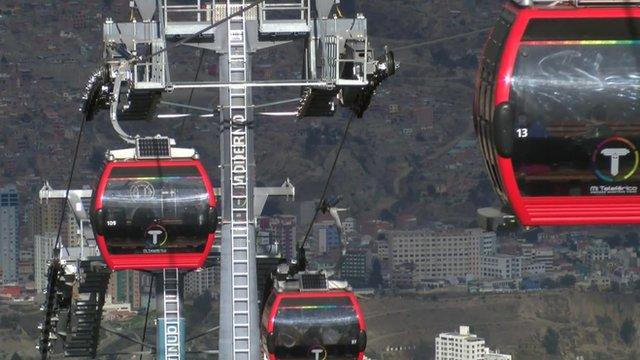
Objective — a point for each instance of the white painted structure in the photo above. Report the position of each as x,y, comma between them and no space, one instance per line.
460,345
463,345
501,266
495,355
42,253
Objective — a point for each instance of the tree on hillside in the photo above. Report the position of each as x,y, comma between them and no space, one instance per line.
421,350
548,283
9,321
567,281
202,303
614,241
628,331
632,239
312,141
386,215
551,342
615,287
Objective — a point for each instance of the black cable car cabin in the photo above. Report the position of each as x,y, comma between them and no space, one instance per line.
309,317
154,213
557,113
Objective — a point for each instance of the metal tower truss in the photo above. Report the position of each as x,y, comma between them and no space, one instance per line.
171,334
339,69
76,286
241,295
339,63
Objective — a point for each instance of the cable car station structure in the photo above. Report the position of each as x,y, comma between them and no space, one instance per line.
339,70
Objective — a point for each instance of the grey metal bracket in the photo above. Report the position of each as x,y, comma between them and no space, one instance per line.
74,201
261,194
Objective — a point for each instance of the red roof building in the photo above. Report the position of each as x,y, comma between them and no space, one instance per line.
11,292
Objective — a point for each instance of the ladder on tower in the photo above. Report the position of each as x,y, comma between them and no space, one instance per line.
237,50
172,331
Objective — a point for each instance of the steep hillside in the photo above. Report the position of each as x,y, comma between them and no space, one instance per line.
588,324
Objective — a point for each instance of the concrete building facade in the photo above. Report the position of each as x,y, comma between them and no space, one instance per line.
282,230
327,237
354,267
42,253
597,251
463,345
544,256
502,266
424,255
489,243
495,355
125,288
45,220
201,281
350,225
460,345
9,234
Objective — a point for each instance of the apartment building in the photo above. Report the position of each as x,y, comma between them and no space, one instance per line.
418,256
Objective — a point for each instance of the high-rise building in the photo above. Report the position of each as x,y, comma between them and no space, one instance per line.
201,281
42,253
9,234
45,220
327,237
353,267
282,229
125,286
26,264
464,345
266,244
349,225
381,248
419,256
489,243
460,345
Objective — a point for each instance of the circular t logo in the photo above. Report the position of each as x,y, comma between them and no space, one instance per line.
318,352
615,159
156,235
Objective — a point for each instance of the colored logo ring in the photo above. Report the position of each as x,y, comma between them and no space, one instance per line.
319,347
164,232
626,176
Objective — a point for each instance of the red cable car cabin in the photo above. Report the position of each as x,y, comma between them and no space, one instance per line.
312,324
154,214
557,112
